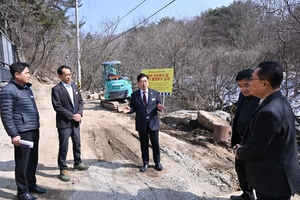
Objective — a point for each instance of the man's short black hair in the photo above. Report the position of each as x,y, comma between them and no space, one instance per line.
244,74
17,67
272,72
59,70
142,75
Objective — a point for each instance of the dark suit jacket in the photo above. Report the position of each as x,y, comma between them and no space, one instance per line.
137,105
63,106
270,148
236,138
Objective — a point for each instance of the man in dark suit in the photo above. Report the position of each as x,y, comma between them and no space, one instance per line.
68,104
269,146
145,102
246,106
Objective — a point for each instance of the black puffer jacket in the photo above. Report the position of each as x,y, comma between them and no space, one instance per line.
18,109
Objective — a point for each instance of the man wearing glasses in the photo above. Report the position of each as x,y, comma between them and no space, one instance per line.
269,146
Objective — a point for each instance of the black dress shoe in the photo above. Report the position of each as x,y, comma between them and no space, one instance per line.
37,189
144,168
26,196
158,167
233,197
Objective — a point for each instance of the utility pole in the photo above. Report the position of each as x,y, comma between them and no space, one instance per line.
78,47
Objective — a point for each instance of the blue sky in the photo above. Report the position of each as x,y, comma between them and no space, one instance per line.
94,12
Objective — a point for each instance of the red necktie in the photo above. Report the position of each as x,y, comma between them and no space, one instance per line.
144,99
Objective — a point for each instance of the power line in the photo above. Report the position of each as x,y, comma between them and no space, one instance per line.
141,21
125,15
137,24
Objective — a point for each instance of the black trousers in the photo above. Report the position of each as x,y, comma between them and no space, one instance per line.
64,135
261,196
243,181
144,142
26,161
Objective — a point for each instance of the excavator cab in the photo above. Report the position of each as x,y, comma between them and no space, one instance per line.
111,72
116,86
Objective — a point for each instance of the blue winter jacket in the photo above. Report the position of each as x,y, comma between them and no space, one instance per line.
18,109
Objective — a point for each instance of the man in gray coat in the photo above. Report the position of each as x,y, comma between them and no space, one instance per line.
269,146
20,119
145,102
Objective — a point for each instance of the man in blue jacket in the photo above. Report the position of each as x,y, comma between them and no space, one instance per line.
269,147
20,119
145,102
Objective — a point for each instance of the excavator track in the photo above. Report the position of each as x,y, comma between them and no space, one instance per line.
113,105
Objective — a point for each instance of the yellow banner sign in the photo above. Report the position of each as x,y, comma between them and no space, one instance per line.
160,79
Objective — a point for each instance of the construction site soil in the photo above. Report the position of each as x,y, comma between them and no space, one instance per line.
195,166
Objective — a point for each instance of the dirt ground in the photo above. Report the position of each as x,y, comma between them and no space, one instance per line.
195,167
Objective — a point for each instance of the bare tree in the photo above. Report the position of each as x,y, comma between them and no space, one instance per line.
36,27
